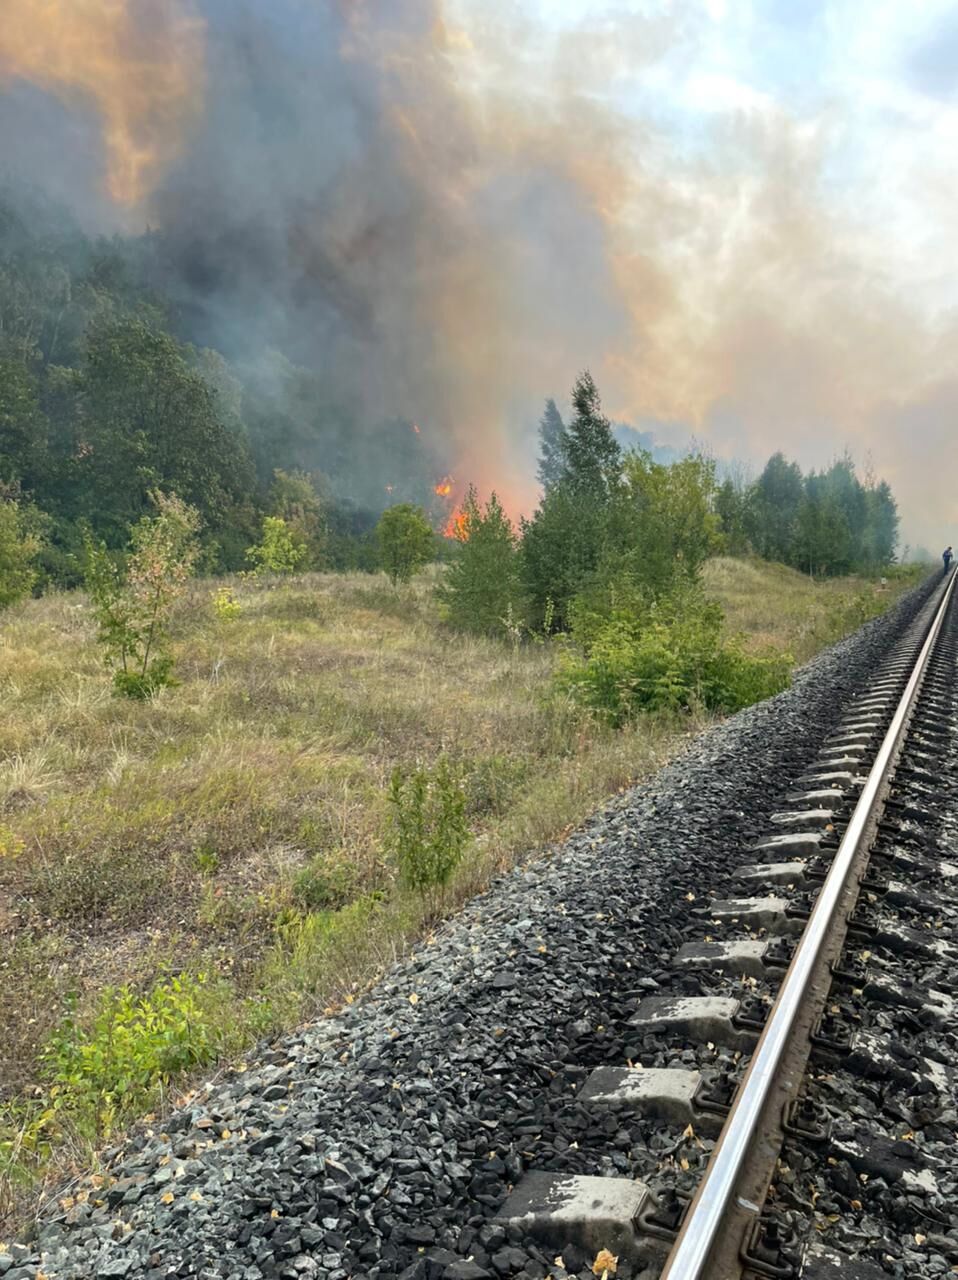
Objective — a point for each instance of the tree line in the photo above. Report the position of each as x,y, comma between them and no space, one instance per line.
104,399
826,522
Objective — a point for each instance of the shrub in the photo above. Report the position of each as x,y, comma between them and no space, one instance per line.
672,658
133,609
312,949
283,548
323,885
225,605
427,831
293,496
99,1072
406,541
18,550
491,783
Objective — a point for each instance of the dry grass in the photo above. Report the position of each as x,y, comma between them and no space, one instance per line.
139,837
771,605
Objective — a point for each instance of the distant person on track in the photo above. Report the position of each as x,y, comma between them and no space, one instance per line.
946,557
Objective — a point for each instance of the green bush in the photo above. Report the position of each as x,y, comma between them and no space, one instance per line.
427,831
225,605
141,685
491,782
106,1069
283,548
18,551
406,541
671,658
133,607
324,885
312,951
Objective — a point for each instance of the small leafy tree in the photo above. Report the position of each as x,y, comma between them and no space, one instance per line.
406,541
282,549
18,548
428,831
481,588
133,608
294,498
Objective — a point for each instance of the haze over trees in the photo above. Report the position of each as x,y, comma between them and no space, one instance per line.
105,398
104,401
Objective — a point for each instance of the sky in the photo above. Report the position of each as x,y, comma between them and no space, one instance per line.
737,213
804,157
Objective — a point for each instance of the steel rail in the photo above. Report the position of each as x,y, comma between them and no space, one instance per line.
703,1223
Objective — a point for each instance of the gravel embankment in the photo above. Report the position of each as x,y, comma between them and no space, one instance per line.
381,1141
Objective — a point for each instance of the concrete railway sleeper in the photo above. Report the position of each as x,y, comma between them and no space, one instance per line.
838,956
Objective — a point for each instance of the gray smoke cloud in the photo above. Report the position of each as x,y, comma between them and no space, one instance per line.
444,211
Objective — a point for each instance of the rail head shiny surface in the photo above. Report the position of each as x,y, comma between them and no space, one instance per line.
704,1221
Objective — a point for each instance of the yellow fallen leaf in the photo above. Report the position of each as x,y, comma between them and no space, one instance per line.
919,1238
225,1134
856,1204
195,1197
606,1263
414,999
166,1197
688,1132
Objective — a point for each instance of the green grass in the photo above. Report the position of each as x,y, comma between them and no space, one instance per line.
233,826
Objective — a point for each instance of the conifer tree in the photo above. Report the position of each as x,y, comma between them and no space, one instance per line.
593,457
552,442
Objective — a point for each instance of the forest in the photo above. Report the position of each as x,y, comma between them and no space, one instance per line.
104,399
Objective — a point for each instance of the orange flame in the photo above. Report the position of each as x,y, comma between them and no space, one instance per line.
457,526
444,487
143,77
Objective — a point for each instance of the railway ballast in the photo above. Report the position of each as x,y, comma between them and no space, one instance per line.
547,1085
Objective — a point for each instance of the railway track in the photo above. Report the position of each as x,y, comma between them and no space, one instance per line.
543,1085
837,911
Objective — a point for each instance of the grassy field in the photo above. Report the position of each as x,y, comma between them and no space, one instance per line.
771,605
233,827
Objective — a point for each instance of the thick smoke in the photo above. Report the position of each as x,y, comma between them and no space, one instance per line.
443,222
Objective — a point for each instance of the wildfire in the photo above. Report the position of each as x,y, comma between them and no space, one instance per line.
457,526
143,76
444,487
